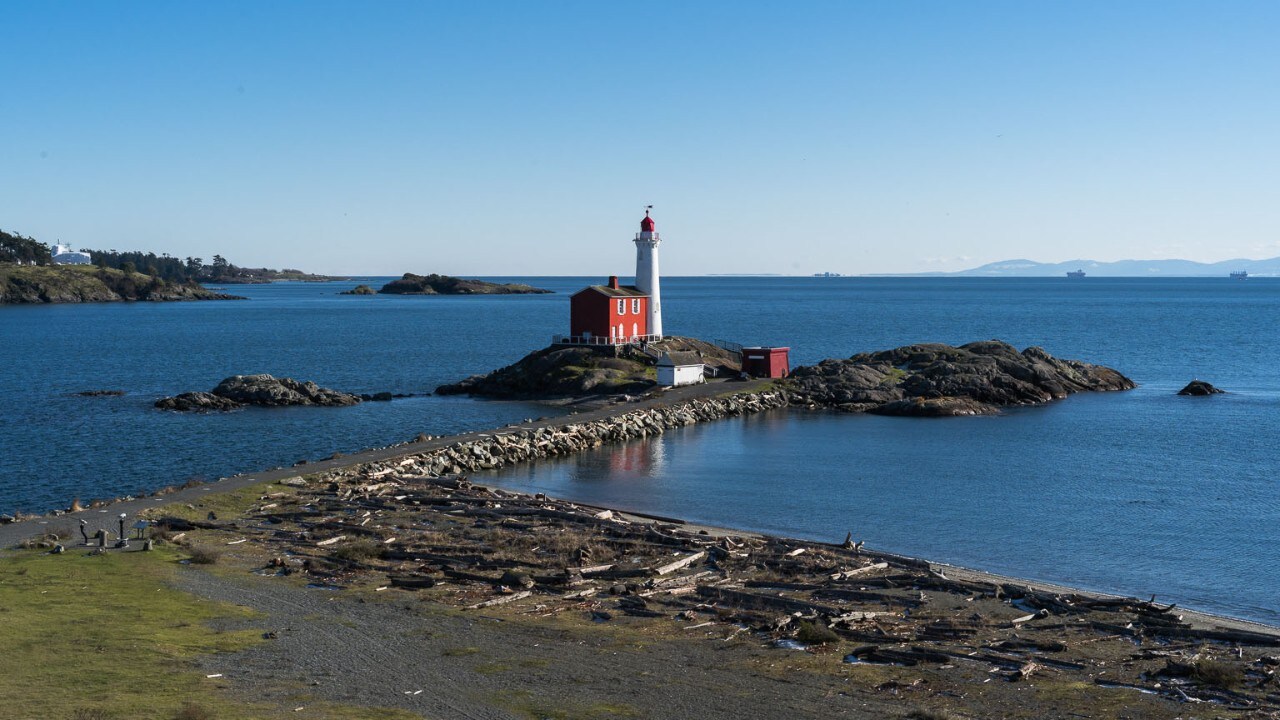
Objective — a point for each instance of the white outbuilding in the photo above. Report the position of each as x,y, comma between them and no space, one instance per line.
64,255
679,368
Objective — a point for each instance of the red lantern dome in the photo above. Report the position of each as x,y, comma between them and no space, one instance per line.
646,225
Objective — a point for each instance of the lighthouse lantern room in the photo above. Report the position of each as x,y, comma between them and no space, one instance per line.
616,314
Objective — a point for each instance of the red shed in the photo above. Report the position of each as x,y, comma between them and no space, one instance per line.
608,314
766,362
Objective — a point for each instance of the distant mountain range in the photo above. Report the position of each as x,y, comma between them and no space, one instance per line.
1120,268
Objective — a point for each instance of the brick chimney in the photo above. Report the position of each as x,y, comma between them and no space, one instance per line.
613,282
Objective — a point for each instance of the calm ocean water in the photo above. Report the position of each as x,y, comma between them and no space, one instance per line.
1140,492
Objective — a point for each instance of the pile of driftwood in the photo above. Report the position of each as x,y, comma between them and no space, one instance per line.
480,548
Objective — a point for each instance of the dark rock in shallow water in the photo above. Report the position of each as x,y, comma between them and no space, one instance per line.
1199,388
100,393
272,392
378,397
264,390
359,290
197,402
935,380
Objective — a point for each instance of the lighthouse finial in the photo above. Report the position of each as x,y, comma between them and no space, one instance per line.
646,224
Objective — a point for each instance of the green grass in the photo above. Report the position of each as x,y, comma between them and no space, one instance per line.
103,632
105,637
816,633
358,551
226,504
894,376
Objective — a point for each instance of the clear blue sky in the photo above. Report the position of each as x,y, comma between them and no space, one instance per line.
526,137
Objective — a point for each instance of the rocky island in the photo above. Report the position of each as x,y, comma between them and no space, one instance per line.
239,391
936,380
1200,388
434,284
926,380
86,283
559,372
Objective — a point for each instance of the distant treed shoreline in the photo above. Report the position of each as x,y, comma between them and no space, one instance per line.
17,248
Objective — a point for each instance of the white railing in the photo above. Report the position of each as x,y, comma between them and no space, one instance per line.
597,340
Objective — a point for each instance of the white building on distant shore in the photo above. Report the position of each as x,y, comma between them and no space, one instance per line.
64,255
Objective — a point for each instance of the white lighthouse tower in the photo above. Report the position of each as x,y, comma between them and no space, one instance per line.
647,279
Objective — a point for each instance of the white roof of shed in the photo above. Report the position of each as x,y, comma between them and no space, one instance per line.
680,359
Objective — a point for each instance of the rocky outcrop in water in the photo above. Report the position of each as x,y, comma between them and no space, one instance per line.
434,284
198,402
359,290
1200,388
270,391
936,380
263,390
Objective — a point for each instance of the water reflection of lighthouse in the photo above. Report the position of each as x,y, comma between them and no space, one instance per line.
645,474
646,457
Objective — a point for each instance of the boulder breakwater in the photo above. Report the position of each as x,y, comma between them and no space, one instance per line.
509,447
